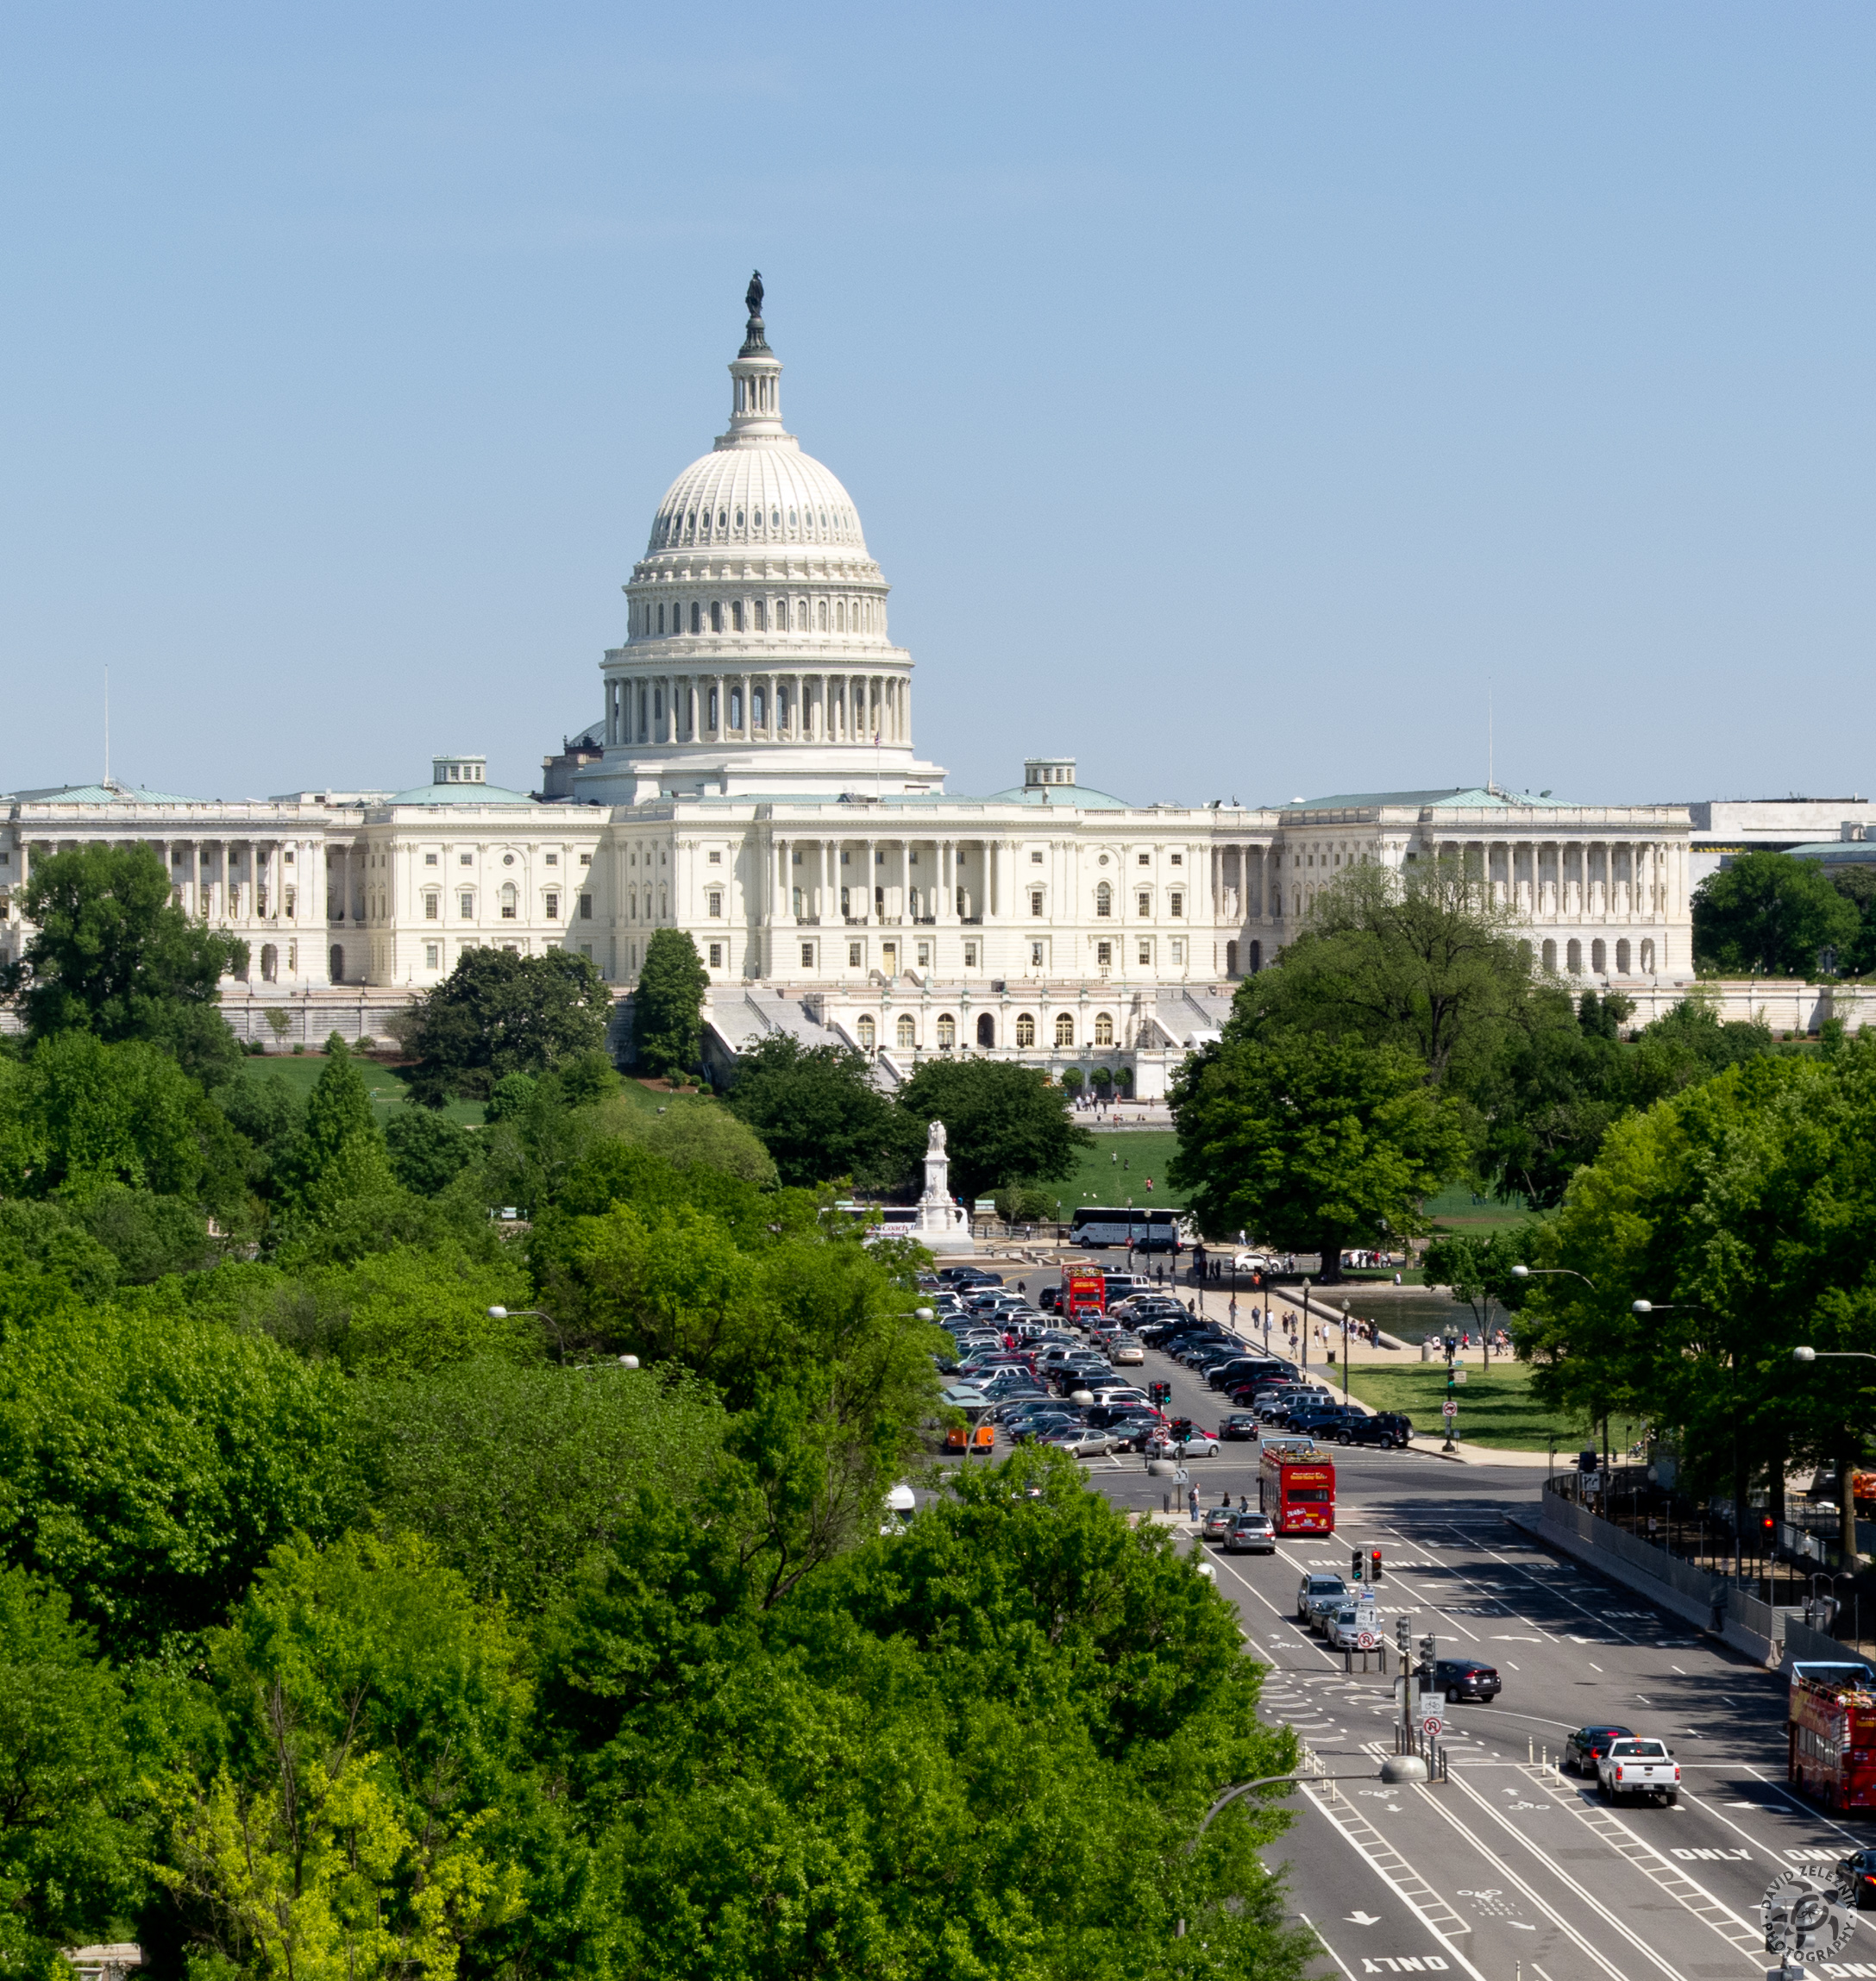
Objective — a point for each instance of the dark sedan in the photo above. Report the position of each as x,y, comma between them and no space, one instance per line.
1466,1678
1239,1427
1856,1878
1387,1428
1588,1745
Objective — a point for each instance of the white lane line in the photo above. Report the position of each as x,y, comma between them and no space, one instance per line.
1372,1852
1536,1897
1804,1809
1327,1948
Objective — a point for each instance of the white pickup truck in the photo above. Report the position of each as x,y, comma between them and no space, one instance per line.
1638,1768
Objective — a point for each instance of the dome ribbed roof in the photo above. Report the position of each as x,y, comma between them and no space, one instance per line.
720,498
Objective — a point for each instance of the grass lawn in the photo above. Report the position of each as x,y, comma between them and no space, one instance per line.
1117,1168
1454,1210
387,1089
1495,1409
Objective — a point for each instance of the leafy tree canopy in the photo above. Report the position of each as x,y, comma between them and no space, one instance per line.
499,1013
1003,1123
1313,1143
820,1115
667,1005
111,955
428,1152
1769,915
1417,960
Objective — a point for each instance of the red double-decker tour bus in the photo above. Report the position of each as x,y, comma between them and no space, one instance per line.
1297,1490
1831,1730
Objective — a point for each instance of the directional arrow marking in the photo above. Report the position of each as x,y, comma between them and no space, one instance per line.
1365,1919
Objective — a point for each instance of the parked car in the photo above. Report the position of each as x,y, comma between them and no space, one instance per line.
966,1276
1634,1767
1384,1428
1588,1745
1042,1429
1193,1444
1466,1678
1318,1594
1238,1426
1080,1444
1127,1352
1251,1533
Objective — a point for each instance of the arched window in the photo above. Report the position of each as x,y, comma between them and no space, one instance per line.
1026,1028
1648,959
735,708
1104,901
947,1032
697,615
985,1027
908,1032
1573,957
664,904
1622,958
508,899
336,963
716,614
1230,959
758,704
1599,955
1257,957
1550,957
781,615
270,963
1064,1030
1104,1028
867,1034
823,614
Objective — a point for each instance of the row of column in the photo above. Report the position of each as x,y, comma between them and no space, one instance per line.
946,881
758,707
1555,880
1238,883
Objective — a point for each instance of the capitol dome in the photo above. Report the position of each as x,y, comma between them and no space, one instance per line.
755,657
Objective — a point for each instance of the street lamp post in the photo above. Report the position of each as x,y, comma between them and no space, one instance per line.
1344,1351
1302,1326
560,1344
1847,1510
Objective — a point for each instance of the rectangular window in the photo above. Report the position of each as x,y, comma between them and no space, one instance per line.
1178,859
853,955
808,956
1175,903
716,956
465,906
1146,859
433,907
1035,859
552,904
713,901
291,901
1146,902
1035,956
1104,956
716,859
924,955
1035,900
585,859
586,908
433,954
1178,952
430,859
552,859
971,955
1146,952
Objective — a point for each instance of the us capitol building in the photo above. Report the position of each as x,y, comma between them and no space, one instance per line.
753,779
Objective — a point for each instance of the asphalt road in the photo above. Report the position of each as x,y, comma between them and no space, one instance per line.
1511,1867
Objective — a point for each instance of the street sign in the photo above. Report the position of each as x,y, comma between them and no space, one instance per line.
1364,1640
1449,1408
1433,1726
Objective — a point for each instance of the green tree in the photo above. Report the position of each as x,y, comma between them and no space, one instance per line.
667,1005
1419,960
1856,882
111,954
820,1113
1548,1098
152,1459
1312,1142
1024,1204
71,1830
46,1238
148,1234
428,1152
339,1139
1003,1123
690,1132
519,1475
499,1013
1002,1625
360,1806
1476,1266
1737,1209
1769,915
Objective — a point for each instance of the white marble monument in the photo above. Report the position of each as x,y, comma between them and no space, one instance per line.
943,1225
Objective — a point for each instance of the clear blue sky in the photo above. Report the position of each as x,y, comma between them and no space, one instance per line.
1227,392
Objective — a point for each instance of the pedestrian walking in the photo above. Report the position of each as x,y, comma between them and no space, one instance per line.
1192,1501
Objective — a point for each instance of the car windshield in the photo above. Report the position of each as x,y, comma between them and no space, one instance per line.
1637,1750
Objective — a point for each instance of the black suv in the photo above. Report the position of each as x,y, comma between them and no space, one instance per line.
1388,1429
1466,1678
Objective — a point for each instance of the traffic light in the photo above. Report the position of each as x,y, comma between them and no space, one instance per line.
1429,1648
1374,1564
1404,1636
1159,1392
1354,1570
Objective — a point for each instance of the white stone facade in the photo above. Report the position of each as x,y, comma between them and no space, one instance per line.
753,781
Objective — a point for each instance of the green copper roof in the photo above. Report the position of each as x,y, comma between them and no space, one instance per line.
461,794
1457,797
100,795
1063,797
